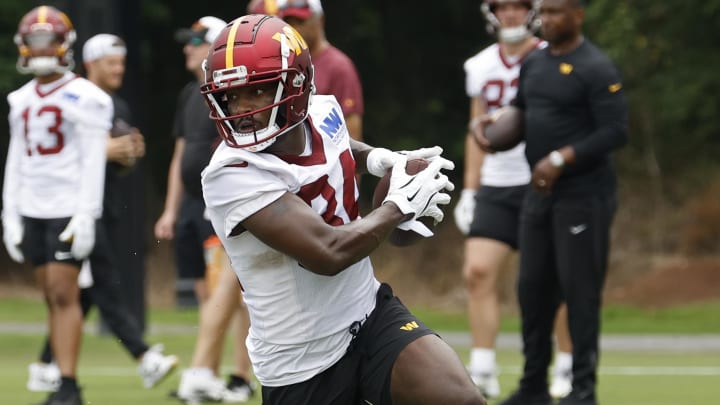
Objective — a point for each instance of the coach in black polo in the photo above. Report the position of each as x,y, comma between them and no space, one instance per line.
575,117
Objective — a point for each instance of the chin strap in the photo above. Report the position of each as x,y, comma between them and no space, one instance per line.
514,34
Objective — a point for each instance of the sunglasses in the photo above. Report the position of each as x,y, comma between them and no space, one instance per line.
195,41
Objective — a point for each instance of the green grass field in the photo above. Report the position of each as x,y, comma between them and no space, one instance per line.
626,377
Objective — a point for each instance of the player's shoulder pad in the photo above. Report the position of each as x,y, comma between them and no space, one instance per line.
86,92
480,59
327,117
19,94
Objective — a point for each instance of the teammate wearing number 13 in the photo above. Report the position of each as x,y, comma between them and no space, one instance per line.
54,177
282,197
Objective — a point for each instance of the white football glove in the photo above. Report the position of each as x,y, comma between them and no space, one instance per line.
13,231
464,210
379,160
419,194
80,231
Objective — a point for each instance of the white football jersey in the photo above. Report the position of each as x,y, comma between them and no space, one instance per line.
56,158
494,77
299,320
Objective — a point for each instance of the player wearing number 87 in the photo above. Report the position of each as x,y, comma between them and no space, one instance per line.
496,175
282,196
54,176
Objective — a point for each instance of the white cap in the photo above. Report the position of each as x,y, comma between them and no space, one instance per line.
207,28
103,45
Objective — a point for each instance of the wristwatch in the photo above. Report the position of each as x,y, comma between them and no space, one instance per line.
556,159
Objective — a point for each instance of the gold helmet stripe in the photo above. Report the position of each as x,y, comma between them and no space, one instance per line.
42,14
230,45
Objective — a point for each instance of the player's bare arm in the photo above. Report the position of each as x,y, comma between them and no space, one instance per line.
294,228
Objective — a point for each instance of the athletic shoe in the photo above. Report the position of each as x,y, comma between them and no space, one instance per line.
487,383
155,366
561,384
238,390
58,398
520,398
199,385
43,377
576,398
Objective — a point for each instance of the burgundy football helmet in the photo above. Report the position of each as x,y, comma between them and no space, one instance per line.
257,49
41,28
511,34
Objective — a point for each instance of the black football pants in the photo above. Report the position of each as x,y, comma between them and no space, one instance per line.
106,293
564,244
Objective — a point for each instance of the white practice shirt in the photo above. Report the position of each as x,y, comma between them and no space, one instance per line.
299,320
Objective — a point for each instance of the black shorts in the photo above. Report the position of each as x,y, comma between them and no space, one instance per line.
497,214
363,374
40,243
191,231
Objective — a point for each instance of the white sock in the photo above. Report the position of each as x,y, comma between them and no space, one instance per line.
563,361
482,360
200,372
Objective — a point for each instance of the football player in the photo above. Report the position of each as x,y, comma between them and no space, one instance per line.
282,196
104,59
54,177
494,186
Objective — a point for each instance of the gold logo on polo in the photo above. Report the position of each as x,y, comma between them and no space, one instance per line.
295,41
566,68
615,87
410,326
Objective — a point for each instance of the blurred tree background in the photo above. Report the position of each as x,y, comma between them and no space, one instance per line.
410,54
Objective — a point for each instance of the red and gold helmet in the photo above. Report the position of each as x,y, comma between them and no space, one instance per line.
50,31
511,34
259,49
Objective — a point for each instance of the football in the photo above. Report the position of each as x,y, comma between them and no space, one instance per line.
398,237
506,129
120,128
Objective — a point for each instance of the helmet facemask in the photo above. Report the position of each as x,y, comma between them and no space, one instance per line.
511,34
288,108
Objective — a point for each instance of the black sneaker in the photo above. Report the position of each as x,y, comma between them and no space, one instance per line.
238,390
579,398
522,398
64,398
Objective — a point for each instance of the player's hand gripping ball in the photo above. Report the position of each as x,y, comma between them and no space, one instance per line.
399,237
505,129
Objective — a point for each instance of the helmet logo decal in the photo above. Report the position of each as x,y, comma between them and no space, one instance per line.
296,41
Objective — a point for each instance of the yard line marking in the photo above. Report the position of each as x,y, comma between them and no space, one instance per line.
641,370
513,370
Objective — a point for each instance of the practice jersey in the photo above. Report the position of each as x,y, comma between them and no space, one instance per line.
494,77
56,159
299,320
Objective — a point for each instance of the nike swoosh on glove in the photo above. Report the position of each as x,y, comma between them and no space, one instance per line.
80,231
419,195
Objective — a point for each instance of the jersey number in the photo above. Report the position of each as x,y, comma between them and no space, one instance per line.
321,188
53,130
495,97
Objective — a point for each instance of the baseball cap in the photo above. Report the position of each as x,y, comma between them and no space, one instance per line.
302,9
102,45
205,29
